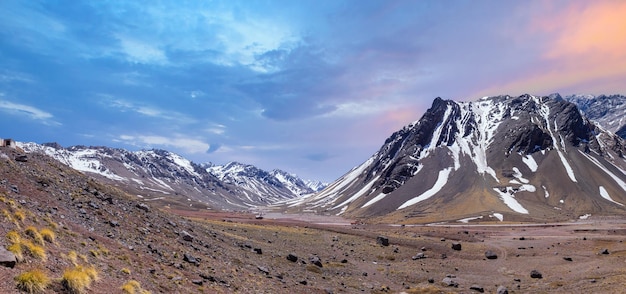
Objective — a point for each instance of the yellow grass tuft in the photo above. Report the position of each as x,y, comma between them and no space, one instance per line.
78,279
125,271
19,215
33,281
16,249
133,287
32,232
13,237
35,250
73,257
48,235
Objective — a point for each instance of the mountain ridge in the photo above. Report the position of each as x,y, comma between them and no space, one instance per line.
526,157
163,175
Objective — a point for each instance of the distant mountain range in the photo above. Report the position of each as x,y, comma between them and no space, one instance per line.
523,158
160,175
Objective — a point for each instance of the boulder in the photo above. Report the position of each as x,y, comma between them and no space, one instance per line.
7,258
456,246
190,259
382,240
491,255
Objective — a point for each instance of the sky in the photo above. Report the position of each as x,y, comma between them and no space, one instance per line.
310,87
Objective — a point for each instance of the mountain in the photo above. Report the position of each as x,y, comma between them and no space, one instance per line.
523,158
160,175
608,110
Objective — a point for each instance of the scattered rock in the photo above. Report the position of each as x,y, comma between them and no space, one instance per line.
477,288
444,256
491,255
21,158
304,282
449,282
502,290
315,260
382,240
143,207
7,258
258,250
431,280
522,238
15,189
263,270
197,282
292,257
535,274
567,258
419,256
190,259
605,251
423,248
186,236
114,223
456,246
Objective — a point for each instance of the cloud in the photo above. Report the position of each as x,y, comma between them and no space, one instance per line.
214,147
27,110
137,51
177,141
146,110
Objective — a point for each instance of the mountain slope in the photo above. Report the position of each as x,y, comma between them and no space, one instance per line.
163,176
519,158
608,110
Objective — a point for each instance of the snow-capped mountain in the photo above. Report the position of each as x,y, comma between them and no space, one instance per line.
503,157
166,176
608,110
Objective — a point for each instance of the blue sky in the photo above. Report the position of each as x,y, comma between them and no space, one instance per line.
310,87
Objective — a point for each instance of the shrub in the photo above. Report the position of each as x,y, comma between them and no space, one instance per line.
33,233
133,287
78,279
33,281
47,235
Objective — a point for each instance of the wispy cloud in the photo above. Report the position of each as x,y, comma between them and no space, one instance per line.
28,111
176,141
147,110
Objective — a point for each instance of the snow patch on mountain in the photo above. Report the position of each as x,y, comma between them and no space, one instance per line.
442,180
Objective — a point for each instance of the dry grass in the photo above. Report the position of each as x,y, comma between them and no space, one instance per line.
33,281
32,232
19,215
79,279
35,250
125,271
16,249
13,237
48,235
73,257
133,287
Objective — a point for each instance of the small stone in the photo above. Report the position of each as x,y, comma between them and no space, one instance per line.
477,288
502,290
449,282
423,248
197,282
292,257
258,250
186,236
605,251
143,207
263,270
114,223
431,280
304,282
535,274
456,246
567,258
315,260
419,256
382,240
190,259
491,255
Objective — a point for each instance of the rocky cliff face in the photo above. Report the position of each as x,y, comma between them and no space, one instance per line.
526,157
608,110
161,175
